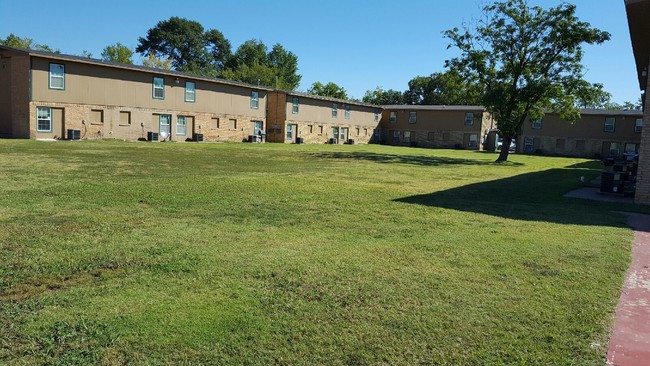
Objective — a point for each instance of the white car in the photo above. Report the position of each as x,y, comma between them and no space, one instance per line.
513,144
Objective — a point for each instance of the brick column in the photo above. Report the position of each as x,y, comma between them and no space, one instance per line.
642,195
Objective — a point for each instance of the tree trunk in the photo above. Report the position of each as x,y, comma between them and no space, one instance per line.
505,149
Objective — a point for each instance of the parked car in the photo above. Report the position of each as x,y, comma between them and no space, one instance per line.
513,144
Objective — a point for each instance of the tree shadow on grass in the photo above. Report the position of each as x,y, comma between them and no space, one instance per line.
537,196
420,160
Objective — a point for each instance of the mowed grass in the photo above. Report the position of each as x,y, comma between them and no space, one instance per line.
118,253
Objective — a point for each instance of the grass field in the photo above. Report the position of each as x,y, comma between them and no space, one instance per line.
118,253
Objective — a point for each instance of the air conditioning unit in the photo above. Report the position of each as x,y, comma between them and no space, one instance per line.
334,141
152,136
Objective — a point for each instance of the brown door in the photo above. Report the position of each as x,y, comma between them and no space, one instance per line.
58,123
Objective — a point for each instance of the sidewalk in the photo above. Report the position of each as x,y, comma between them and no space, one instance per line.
630,341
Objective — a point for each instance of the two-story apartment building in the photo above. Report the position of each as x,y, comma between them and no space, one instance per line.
598,133
435,126
299,117
43,95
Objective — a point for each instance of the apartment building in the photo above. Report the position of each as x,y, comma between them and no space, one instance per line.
598,133
638,16
298,117
435,126
43,95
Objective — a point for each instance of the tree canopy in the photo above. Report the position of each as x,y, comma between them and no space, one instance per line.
380,96
327,90
118,53
14,41
526,60
191,48
442,88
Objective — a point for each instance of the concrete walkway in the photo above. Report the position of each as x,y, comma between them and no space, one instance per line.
630,342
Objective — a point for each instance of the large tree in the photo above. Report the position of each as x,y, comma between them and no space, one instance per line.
118,53
443,88
330,89
253,63
526,60
380,96
187,45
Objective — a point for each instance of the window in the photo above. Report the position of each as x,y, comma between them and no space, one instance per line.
365,132
473,141
258,128
396,136
335,110
469,118
528,144
376,116
158,88
320,130
295,106
96,117
310,129
560,143
610,123
631,148
214,123
181,125
638,125
125,118
347,112
413,117
430,136
165,123
43,119
290,132
614,149
358,131
407,136
580,145
57,76
537,124
255,99
233,124
393,117
190,91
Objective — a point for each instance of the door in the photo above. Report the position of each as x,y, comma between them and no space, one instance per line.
291,133
258,131
165,124
335,134
344,135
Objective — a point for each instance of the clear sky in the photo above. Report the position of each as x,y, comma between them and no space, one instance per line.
357,44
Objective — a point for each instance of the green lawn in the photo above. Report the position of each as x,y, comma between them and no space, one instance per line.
136,253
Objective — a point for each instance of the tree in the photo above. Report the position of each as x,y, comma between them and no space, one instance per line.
26,43
443,88
380,96
118,53
526,60
158,63
327,90
186,45
252,63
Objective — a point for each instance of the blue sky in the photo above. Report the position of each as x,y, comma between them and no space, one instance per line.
357,44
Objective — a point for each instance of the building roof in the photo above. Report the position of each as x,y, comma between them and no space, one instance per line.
613,112
436,107
638,20
92,61
329,99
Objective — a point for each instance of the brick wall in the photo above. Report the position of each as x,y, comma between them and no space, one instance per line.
642,194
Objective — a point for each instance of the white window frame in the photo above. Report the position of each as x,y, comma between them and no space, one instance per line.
413,117
610,121
536,124
335,110
53,76
406,137
295,105
471,143
347,112
255,99
155,87
396,136
469,118
190,92
168,125
179,124
393,117
528,144
48,119
638,127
